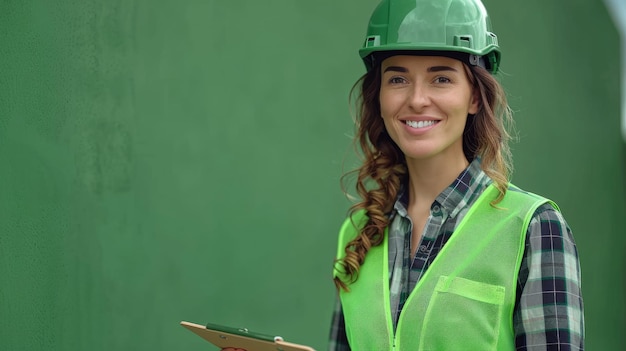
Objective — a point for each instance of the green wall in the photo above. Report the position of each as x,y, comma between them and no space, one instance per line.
180,160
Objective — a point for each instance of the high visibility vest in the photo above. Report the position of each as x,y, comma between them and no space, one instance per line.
465,299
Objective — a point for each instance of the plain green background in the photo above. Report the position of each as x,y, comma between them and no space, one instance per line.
180,160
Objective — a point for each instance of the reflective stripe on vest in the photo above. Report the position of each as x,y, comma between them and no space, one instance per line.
465,299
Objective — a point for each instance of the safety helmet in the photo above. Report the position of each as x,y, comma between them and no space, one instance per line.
456,28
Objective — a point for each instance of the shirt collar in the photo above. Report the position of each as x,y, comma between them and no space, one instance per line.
463,191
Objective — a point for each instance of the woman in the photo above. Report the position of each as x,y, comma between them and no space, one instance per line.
442,253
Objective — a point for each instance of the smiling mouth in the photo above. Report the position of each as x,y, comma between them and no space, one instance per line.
420,124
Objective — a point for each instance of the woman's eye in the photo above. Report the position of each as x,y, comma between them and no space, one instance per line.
396,80
442,80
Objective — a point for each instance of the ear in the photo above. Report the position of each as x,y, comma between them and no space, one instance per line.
474,102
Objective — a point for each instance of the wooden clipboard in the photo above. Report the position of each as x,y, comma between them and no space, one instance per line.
242,338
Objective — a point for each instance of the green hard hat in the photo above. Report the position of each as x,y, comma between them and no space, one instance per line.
457,28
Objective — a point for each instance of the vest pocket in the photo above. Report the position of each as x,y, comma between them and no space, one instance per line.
462,314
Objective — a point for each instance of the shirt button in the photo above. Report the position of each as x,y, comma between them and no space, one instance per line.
423,248
436,208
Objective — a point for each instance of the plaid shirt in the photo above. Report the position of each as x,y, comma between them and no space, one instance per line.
548,313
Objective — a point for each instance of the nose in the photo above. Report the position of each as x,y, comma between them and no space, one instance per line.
418,97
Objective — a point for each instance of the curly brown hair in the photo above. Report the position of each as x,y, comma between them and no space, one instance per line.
383,171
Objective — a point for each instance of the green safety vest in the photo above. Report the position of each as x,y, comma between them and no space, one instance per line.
465,299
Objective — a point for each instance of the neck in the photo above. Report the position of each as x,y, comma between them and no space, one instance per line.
429,177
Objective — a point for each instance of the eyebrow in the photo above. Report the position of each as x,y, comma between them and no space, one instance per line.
430,69
396,69
441,68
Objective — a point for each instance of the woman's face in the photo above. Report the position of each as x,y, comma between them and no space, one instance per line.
424,102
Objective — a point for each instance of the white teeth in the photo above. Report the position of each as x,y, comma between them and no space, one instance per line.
420,124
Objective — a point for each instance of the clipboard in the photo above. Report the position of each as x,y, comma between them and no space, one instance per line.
241,338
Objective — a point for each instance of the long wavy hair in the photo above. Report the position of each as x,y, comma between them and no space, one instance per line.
383,171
